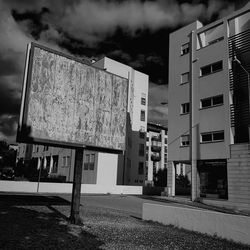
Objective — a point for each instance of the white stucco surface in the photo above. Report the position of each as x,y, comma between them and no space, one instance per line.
31,187
228,226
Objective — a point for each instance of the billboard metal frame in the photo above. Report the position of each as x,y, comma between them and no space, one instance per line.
23,132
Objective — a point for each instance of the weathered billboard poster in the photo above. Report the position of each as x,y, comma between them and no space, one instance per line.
69,103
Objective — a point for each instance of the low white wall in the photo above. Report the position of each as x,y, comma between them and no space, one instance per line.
228,226
31,187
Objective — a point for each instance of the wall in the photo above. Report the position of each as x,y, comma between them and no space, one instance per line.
31,187
239,175
228,226
178,93
107,169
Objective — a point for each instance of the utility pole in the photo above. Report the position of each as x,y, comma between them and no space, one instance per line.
76,192
193,137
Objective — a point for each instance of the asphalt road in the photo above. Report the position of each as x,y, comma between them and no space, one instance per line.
129,204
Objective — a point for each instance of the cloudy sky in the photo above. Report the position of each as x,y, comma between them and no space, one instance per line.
133,32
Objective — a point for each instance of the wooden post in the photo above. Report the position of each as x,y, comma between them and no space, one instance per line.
76,192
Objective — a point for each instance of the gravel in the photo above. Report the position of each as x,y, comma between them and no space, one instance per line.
45,226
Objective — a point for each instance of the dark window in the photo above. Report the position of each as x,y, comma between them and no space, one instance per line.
141,168
218,136
206,137
55,164
45,148
86,162
92,162
185,140
212,68
89,162
185,49
143,101
217,100
212,136
212,101
143,115
166,140
185,77
213,179
141,149
206,70
185,108
217,66
206,103
142,135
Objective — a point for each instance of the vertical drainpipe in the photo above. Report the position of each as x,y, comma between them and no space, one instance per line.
193,127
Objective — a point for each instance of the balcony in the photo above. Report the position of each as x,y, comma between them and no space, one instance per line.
155,157
155,148
239,47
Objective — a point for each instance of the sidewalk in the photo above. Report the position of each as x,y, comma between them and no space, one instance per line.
185,200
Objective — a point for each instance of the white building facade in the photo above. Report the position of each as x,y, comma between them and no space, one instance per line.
209,108
131,165
156,151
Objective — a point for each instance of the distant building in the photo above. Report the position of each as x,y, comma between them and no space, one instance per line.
131,165
99,167
156,150
209,79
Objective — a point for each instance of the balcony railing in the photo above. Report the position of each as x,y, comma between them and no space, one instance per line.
155,148
155,157
239,43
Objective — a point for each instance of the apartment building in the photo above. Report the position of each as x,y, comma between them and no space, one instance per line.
131,164
156,151
101,167
209,108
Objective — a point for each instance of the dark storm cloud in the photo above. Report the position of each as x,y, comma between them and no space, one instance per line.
132,32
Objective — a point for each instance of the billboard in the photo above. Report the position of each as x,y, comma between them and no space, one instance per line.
69,103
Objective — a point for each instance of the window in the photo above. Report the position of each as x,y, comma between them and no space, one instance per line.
212,68
141,135
141,149
185,78
89,163
143,115
185,140
55,164
185,49
141,168
211,101
165,158
211,36
86,162
64,160
165,149
92,162
185,108
45,148
212,136
166,140
143,101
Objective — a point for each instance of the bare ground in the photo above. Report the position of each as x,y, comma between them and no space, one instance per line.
39,222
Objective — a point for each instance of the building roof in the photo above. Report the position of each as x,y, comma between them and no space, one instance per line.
156,127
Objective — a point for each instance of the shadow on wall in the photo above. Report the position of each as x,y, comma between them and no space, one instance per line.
29,222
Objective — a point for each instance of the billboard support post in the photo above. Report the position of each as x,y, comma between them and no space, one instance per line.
76,191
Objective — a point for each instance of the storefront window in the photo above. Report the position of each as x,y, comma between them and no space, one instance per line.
213,179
